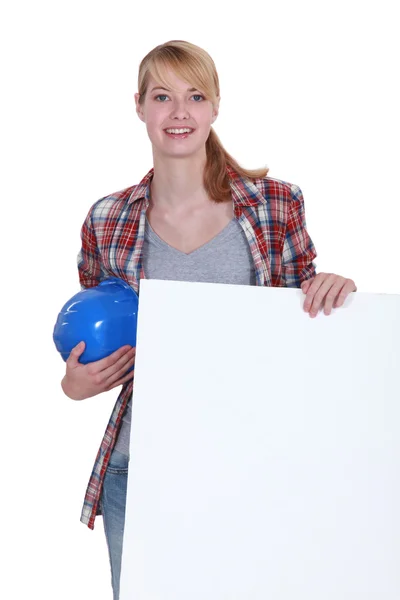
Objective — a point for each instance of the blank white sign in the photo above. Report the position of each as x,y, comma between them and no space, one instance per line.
265,447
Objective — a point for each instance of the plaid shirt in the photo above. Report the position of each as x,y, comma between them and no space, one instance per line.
271,213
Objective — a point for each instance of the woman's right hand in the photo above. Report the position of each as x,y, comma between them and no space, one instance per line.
84,381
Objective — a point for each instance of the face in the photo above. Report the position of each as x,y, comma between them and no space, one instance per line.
180,108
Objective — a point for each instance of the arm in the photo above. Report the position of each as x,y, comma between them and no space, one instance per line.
84,381
325,290
298,249
90,266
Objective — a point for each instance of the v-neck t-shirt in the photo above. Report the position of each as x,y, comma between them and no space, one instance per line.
226,258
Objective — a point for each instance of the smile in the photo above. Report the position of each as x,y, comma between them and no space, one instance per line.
179,134
181,130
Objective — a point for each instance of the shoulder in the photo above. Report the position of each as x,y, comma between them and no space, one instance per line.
274,189
124,205
112,202
128,200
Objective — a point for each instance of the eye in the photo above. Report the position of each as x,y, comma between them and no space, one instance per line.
160,97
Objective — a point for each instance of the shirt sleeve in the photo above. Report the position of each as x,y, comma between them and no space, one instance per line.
298,249
90,267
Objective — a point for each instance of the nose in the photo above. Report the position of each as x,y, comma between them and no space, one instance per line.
179,109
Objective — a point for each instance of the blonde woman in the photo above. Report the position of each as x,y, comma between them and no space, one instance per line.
196,216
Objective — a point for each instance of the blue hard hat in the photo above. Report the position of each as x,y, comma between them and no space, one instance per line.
104,317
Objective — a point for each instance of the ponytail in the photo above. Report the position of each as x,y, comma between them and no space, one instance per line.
219,167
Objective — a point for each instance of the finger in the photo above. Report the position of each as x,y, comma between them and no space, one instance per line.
123,380
332,296
113,377
321,294
313,289
109,361
72,361
348,287
123,363
305,286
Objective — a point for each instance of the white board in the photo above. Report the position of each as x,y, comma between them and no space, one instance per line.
265,447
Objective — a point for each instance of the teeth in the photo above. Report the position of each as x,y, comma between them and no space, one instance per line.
186,130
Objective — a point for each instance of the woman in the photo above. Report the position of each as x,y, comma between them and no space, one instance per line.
196,216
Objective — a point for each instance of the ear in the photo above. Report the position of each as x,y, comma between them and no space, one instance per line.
215,110
139,108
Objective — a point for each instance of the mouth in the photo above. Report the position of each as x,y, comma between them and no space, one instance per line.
179,133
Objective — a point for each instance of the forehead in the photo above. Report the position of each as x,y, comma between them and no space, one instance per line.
171,82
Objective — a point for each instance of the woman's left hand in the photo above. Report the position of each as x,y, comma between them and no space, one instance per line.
327,290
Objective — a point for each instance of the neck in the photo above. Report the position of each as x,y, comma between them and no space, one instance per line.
178,182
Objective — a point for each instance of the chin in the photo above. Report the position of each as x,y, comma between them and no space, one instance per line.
179,152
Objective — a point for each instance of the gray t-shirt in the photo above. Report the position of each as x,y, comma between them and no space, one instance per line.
224,259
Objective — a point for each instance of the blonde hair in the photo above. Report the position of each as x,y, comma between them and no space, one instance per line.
194,65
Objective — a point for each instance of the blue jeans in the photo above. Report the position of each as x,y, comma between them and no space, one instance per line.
113,509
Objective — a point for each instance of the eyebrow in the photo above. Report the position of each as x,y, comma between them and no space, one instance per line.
167,90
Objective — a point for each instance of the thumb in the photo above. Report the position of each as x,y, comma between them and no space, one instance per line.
305,286
75,354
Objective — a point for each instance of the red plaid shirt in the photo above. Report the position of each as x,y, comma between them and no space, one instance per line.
271,213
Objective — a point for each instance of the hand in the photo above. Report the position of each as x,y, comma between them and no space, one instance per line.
84,381
328,290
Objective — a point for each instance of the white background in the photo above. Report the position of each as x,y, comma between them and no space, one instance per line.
308,88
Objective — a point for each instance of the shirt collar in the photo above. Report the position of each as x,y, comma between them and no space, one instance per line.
244,191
